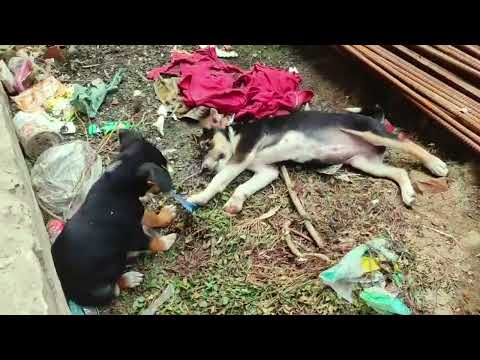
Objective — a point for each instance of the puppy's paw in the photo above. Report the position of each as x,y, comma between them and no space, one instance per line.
167,215
234,205
163,219
162,243
409,196
130,280
437,167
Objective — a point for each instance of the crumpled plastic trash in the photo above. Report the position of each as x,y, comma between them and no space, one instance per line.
88,99
351,270
384,302
108,127
22,69
60,106
63,175
343,276
32,99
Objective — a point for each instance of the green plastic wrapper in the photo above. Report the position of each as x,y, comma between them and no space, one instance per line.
88,99
383,302
108,127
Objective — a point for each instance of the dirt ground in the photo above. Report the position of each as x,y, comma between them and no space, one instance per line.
225,265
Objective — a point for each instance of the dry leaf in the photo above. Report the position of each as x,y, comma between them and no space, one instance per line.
433,186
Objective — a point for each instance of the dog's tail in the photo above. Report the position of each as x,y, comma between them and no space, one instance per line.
375,112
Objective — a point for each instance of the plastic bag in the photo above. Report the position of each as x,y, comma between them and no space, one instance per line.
343,276
34,98
384,302
89,99
63,175
22,69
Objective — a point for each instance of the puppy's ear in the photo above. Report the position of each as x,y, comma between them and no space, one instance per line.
127,138
156,175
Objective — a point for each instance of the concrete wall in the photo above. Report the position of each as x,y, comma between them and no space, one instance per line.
28,281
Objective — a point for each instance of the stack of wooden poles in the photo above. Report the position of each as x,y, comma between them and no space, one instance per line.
441,80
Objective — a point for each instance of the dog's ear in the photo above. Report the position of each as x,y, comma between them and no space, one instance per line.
156,176
127,138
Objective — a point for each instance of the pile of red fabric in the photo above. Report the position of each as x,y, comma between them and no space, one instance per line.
207,81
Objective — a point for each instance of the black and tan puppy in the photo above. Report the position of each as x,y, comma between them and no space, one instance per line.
90,255
313,137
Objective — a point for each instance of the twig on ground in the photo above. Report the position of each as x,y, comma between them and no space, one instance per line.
90,66
288,239
293,248
298,205
440,232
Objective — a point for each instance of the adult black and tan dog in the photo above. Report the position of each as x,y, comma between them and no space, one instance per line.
90,255
357,138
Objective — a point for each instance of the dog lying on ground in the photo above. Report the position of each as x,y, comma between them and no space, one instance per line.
307,137
90,255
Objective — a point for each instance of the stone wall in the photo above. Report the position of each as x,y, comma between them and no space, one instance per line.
28,280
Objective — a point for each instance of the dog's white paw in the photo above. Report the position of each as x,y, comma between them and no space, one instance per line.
130,279
234,205
408,196
197,199
437,167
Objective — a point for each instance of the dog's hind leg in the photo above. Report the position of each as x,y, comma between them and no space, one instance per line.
264,175
221,181
431,162
375,167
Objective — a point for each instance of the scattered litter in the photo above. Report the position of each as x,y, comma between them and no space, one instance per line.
63,175
357,269
330,170
60,106
108,127
137,93
67,128
187,205
55,52
221,53
384,302
6,78
22,70
166,295
88,99
80,310
168,94
369,264
54,228
36,131
343,276
225,52
33,99
293,69
306,107
162,113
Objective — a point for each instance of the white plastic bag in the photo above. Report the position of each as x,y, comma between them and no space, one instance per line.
63,175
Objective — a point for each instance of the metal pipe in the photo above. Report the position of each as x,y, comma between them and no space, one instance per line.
466,120
448,122
435,85
448,76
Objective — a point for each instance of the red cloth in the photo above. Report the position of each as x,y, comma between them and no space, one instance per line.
261,92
